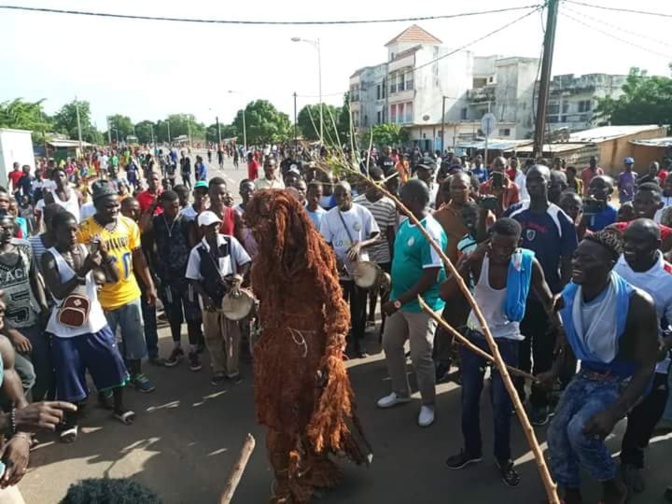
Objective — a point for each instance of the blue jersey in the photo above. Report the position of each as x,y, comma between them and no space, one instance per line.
603,219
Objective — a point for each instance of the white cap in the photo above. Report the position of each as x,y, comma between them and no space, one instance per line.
208,218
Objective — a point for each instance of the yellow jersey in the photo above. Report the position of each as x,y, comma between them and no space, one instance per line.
120,244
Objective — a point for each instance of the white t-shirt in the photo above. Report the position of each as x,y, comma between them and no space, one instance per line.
360,226
227,265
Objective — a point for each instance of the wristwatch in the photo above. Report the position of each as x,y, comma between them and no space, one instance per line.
396,304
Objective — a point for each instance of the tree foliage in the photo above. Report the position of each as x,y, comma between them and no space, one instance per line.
645,100
388,134
121,126
144,131
308,121
65,121
264,123
24,115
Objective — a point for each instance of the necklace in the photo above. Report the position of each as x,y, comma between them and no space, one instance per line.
171,226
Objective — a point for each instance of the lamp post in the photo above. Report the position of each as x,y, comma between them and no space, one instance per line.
230,91
316,45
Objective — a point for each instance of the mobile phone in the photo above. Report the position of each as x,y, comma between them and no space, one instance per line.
488,203
593,206
497,180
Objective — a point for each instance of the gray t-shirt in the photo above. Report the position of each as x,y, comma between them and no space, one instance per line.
15,270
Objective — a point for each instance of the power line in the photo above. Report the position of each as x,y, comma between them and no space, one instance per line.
490,34
619,28
262,22
620,9
608,34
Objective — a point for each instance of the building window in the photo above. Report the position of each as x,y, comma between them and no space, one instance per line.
505,132
393,113
379,118
384,89
584,106
378,92
409,112
553,109
400,113
565,107
409,81
463,114
553,119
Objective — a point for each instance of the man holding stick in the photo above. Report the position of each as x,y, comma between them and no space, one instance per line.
613,329
505,275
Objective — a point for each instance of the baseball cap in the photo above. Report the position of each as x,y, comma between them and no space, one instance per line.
201,184
208,218
629,160
427,164
294,169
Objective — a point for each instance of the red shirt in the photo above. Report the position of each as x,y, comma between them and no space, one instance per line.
662,175
228,226
587,175
145,199
253,170
15,176
665,231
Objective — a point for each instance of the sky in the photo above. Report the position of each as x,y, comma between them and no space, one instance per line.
149,69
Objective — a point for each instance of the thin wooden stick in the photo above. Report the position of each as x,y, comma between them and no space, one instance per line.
549,484
237,470
465,341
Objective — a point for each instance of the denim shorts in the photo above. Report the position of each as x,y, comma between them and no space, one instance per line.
128,319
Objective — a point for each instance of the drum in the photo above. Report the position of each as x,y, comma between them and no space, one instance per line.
366,274
237,304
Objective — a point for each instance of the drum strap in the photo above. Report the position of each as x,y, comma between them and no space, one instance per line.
345,226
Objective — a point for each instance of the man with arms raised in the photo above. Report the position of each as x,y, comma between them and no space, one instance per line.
613,329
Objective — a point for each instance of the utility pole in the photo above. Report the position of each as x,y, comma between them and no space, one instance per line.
219,133
545,82
443,123
109,131
244,132
151,129
189,128
296,138
79,126
168,123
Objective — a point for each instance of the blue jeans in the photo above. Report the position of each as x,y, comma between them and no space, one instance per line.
128,319
40,357
568,447
151,331
472,368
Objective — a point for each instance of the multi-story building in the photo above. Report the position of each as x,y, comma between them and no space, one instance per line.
423,78
572,100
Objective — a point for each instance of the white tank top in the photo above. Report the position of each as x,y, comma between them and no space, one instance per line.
71,205
97,318
491,303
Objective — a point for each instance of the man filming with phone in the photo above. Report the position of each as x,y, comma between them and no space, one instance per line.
499,191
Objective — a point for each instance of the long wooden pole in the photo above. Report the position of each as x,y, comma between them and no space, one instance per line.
237,470
465,341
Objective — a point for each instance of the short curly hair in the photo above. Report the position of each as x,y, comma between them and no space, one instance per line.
110,491
610,239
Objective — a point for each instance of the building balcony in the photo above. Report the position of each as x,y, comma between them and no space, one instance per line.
483,94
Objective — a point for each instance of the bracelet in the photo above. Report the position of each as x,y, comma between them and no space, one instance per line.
12,421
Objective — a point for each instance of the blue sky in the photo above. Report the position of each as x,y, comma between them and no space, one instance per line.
147,70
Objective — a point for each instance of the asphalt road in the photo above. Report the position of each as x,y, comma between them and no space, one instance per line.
188,434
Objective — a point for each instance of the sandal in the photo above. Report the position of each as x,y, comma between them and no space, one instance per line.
69,435
127,417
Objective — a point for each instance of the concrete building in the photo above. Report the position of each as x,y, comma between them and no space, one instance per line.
421,73
572,100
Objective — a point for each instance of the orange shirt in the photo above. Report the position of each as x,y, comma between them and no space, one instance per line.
511,192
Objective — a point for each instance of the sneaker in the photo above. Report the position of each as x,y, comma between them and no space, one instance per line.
218,379
462,460
175,357
194,362
539,415
633,478
509,475
157,361
236,380
392,400
142,384
426,416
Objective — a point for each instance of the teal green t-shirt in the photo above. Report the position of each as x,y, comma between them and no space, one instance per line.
412,254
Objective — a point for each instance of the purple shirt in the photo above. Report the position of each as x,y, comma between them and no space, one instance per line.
626,186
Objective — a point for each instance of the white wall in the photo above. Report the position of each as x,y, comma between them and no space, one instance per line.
15,146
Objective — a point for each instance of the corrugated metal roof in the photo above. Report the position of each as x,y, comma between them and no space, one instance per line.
415,34
604,133
493,144
654,142
67,143
554,148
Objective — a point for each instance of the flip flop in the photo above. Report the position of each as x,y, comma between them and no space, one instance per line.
69,435
127,417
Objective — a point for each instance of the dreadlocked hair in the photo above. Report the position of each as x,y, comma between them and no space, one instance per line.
610,239
286,235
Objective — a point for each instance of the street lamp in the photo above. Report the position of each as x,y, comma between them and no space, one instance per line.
230,91
316,45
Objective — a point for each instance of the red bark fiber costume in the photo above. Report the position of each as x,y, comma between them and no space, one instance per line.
302,390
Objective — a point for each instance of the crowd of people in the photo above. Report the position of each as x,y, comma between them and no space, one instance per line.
565,265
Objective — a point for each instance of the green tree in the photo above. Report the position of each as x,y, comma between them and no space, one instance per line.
121,126
264,123
185,124
645,100
388,134
308,121
65,121
20,114
144,131
345,121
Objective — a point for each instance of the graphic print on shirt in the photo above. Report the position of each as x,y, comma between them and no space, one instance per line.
15,282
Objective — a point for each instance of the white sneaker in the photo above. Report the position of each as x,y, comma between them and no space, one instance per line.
426,416
392,400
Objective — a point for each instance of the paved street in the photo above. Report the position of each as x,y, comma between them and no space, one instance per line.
188,433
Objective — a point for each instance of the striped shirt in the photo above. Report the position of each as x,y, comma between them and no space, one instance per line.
384,212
